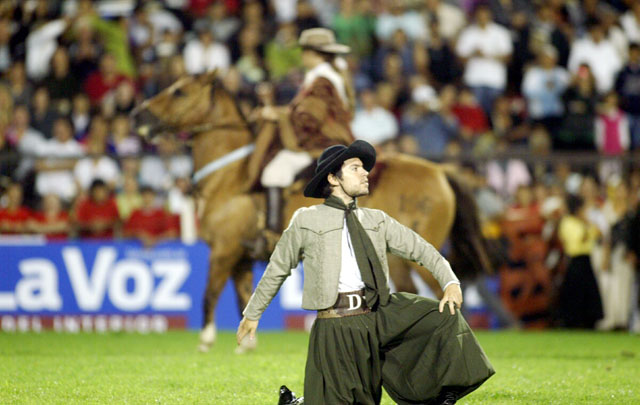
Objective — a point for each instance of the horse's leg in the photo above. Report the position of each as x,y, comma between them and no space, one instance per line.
229,225
243,282
428,278
220,267
400,275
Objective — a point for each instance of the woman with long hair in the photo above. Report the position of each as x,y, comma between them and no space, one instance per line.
579,301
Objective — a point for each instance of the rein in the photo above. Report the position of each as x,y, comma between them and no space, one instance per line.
223,161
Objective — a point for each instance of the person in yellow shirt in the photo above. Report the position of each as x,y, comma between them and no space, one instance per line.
579,301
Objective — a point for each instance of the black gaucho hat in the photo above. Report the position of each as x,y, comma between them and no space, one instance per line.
332,158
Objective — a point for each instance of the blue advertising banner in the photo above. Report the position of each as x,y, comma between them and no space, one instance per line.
102,286
114,286
88,286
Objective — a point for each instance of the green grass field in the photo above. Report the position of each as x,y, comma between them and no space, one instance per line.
532,368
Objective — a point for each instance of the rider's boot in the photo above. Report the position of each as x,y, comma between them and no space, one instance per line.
262,247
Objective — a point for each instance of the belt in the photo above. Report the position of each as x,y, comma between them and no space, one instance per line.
348,304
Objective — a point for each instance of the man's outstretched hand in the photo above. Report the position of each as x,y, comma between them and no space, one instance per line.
452,297
247,326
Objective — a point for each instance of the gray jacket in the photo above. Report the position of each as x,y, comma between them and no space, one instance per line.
315,235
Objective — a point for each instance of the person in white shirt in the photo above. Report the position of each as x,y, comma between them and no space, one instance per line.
451,19
54,175
599,54
150,21
485,48
372,122
397,18
614,33
96,166
41,45
630,22
285,10
159,172
162,19
27,140
203,54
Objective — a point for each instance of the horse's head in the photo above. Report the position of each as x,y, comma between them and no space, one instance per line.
183,106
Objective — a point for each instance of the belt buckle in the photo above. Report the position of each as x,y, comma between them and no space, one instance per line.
355,301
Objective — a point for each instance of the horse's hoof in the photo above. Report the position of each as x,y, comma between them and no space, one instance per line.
207,338
246,345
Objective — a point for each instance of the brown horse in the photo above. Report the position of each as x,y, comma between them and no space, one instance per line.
416,192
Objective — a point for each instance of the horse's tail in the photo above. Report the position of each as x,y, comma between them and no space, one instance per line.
469,255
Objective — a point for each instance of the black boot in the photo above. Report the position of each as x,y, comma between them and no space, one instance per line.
289,398
447,396
263,245
274,209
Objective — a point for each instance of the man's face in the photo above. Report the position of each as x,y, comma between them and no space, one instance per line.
597,33
51,203
547,60
14,193
368,98
148,199
309,58
483,16
354,180
108,64
62,131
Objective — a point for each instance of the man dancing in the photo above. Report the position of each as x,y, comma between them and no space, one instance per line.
366,338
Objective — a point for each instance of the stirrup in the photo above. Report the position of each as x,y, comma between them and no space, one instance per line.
261,247
257,248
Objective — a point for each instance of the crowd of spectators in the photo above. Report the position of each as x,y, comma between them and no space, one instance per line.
499,84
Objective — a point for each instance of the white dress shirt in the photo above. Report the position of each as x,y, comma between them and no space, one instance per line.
602,58
89,169
200,59
350,277
494,41
631,26
375,126
59,182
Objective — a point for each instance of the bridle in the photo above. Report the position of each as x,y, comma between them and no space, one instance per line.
224,160
207,126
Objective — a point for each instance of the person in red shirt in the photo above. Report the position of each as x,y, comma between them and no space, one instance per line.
15,217
524,206
52,221
470,114
150,223
104,80
97,216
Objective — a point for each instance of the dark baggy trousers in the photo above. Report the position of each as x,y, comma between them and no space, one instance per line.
407,346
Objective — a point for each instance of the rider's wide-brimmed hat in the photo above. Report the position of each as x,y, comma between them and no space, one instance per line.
332,158
321,40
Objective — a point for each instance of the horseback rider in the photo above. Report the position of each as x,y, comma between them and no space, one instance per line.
318,116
